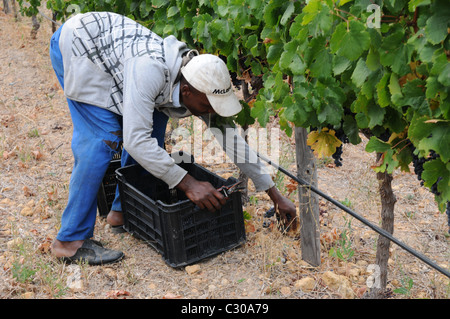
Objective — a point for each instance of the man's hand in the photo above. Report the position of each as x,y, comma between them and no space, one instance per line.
203,194
286,209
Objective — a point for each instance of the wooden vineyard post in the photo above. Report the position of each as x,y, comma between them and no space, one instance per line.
309,204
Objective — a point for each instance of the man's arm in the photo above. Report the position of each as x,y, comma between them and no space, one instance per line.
284,207
249,163
140,92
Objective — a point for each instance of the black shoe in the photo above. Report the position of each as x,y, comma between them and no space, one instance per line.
118,229
93,253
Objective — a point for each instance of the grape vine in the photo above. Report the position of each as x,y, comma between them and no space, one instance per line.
378,67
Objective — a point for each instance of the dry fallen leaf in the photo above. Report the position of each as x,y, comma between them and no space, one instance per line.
170,295
291,186
115,294
192,269
44,247
249,227
286,291
27,191
14,243
26,211
37,154
22,165
28,295
52,195
7,155
5,120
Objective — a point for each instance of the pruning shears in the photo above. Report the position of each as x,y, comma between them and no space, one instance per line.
228,190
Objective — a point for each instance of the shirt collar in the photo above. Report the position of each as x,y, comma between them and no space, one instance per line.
176,95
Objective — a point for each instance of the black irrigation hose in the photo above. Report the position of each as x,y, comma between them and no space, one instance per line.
361,219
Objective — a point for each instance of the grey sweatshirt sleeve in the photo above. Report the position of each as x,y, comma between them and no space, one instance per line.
242,155
144,81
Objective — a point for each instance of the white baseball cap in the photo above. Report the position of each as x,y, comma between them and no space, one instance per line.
209,74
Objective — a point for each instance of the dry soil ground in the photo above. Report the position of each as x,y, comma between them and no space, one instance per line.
35,167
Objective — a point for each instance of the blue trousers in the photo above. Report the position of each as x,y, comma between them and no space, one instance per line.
97,136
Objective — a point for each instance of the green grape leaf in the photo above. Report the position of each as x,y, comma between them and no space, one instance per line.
394,120
395,90
362,120
375,114
322,64
427,52
261,111
340,64
414,96
383,95
373,60
360,104
295,112
350,42
297,65
342,2
431,134
439,60
351,129
144,9
311,10
287,13
284,123
432,87
222,29
413,4
296,27
252,41
360,73
327,101
445,108
272,13
172,11
436,171
444,76
377,145
274,52
394,53
159,3
329,112
388,162
402,151
244,118
437,24
290,58
200,30
321,22
439,141
368,87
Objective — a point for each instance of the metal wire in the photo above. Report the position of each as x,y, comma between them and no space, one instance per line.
50,19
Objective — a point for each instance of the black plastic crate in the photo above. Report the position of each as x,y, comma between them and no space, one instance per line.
107,191
169,222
